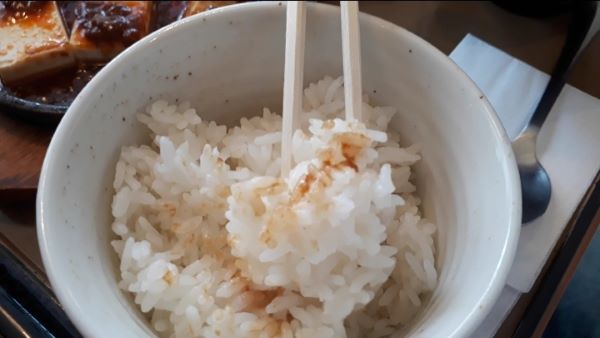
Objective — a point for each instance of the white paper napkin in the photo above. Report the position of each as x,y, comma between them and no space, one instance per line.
568,147
568,144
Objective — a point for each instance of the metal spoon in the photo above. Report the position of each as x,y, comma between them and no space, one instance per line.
535,183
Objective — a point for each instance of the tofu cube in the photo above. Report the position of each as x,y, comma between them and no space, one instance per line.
33,40
102,29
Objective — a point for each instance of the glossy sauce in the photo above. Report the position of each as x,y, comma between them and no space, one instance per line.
167,12
67,9
109,22
196,7
102,21
22,12
63,89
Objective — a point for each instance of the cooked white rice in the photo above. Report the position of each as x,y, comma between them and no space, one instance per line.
212,243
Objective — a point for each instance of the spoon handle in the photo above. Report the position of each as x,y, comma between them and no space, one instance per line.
579,34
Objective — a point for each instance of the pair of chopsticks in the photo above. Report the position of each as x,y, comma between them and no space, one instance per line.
294,67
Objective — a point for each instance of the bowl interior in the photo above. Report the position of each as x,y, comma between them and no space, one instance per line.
229,63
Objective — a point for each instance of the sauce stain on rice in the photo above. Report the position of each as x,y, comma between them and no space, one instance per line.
328,124
244,252
304,185
280,221
312,184
168,277
352,145
170,207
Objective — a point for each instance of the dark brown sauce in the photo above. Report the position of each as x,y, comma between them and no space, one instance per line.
107,21
23,12
17,11
167,12
67,9
102,20
62,89
196,7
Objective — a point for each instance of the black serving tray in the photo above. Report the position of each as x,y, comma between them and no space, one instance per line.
28,308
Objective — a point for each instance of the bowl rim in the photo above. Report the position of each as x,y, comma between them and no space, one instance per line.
494,287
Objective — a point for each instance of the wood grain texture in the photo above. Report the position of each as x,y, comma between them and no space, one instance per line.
535,41
22,150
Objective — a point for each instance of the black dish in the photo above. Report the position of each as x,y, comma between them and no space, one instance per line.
30,110
46,99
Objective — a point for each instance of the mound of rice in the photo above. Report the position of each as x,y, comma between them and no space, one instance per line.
213,243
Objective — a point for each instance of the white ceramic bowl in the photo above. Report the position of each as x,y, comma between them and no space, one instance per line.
228,62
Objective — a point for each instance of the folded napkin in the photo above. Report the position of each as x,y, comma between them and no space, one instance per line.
568,147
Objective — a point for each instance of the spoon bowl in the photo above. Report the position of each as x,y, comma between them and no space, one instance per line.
536,189
535,182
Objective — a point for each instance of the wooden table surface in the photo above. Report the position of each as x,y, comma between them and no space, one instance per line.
444,24
535,41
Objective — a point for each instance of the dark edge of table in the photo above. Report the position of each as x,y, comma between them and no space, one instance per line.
28,307
31,299
560,271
